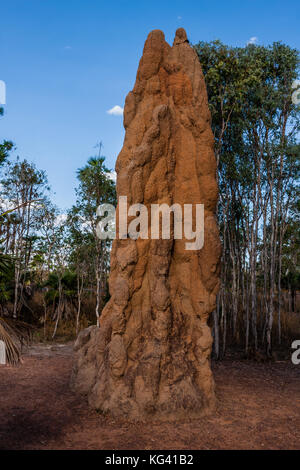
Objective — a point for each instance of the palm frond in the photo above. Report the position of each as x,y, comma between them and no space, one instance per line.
5,262
14,334
13,350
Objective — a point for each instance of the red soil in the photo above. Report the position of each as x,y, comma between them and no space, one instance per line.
259,408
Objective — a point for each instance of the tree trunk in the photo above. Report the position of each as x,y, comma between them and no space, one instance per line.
216,330
79,295
59,307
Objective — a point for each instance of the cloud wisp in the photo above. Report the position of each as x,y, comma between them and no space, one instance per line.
116,111
112,175
252,40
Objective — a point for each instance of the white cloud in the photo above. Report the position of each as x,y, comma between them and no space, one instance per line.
252,40
2,92
116,111
112,176
7,205
61,219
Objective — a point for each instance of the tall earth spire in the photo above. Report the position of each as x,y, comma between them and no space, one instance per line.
150,358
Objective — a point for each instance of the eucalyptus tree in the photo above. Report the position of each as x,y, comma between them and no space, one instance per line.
96,187
25,187
256,127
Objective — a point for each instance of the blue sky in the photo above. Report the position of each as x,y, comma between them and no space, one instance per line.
67,62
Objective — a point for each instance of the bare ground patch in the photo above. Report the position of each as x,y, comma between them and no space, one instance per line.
258,408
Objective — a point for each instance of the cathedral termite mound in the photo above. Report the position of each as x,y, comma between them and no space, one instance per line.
150,357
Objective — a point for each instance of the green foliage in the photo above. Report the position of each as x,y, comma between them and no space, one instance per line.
5,148
253,118
95,187
6,278
256,128
68,282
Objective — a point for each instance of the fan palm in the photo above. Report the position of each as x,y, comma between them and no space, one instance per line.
13,333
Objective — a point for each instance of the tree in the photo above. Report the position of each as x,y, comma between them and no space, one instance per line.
5,147
95,187
255,125
25,188
14,334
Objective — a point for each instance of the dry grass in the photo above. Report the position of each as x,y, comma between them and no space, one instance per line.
14,334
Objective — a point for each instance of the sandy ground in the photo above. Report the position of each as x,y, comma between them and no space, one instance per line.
258,408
